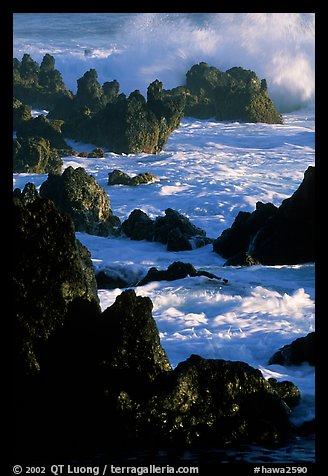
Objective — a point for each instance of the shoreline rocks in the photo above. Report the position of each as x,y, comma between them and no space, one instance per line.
83,199
271,235
173,230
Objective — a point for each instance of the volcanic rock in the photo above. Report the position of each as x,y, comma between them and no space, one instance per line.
83,199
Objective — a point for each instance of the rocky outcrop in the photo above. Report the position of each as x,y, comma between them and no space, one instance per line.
117,177
206,401
50,270
236,240
272,235
173,230
38,85
35,155
21,113
177,270
236,94
41,126
288,237
299,351
83,199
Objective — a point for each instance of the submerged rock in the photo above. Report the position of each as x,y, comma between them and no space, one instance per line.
83,199
176,270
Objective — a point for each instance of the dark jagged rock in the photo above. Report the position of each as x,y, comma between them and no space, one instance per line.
237,239
205,401
174,230
236,94
272,235
138,226
299,351
35,155
117,177
49,272
96,153
21,113
288,237
132,355
38,85
41,126
176,270
108,281
28,195
83,199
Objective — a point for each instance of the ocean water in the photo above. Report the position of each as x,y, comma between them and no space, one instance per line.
208,171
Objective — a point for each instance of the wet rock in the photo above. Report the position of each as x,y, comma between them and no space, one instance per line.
287,391
117,177
288,237
241,259
38,85
138,226
299,351
272,235
41,126
176,231
236,94
28,195
176,270
83,199
237,239
21,113
205,401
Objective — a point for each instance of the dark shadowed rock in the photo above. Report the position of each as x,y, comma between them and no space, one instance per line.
219,402
83,199
299,351
132,356
49,271
272,235
237,239
287,391
174,230
241,259
288,237
138,226
177,232
176,270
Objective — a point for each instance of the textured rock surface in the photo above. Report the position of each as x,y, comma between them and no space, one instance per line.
83,199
